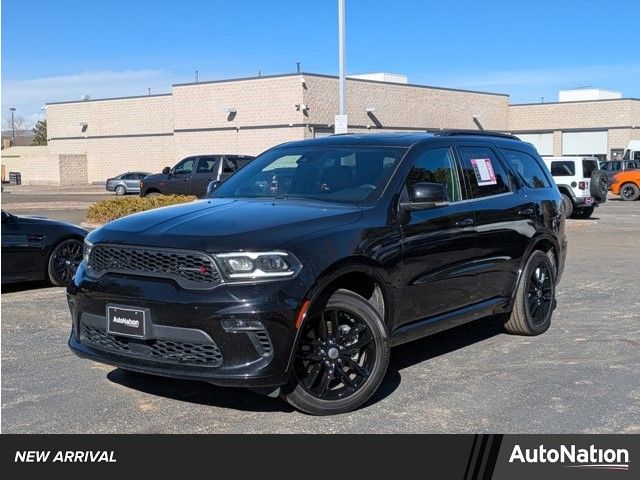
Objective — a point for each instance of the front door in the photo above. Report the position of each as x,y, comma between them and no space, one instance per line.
179,180
438,244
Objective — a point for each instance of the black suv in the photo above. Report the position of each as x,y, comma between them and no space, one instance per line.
301,271
192,175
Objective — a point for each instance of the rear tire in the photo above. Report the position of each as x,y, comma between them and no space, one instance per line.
568,205
535,297
338,366
120,190
583,213
629,192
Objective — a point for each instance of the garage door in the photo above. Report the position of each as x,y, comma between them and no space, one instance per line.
542,141
584,143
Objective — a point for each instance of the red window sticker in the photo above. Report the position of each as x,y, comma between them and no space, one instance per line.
484,171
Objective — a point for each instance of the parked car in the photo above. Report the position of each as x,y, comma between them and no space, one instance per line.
192,175
37,248
612,167
124,183
582,185
301,287
627,185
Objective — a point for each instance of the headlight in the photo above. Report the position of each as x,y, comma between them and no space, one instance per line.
86,250
258,265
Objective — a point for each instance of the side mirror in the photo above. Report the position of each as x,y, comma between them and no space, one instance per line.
166,171
425,195
212,186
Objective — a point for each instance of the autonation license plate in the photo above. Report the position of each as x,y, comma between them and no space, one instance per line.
126,321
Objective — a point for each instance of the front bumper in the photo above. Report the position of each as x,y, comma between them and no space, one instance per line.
190,334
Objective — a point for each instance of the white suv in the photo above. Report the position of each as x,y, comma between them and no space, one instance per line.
582,184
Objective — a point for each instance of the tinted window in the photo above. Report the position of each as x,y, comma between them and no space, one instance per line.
565,168
206,164
128,176
588,166
615,166
606,166
242,161
229,165
527,168
184,167
483,172
437,166
142,175
339,174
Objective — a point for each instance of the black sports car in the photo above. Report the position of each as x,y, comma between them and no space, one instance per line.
37,248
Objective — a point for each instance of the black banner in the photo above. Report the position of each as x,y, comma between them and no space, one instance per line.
467,457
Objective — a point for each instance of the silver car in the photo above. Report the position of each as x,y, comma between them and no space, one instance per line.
124,183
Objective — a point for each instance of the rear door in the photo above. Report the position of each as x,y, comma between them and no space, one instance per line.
131,181
22,243
505,218
205,172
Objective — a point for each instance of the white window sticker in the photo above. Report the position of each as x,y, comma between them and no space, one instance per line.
484,171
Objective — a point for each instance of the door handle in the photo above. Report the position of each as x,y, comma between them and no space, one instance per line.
527,212
35,237
465,222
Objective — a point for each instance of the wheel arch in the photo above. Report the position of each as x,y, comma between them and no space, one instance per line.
545,243
358,274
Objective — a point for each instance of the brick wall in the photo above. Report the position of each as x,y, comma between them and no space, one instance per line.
616,116
33,163
404,106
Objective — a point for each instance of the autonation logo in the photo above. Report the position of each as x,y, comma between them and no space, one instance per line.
573,457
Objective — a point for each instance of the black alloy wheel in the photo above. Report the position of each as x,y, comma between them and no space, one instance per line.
341,357
540,293
64,261
336,355
535,296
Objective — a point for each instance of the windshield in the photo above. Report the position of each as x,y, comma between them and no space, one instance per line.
337,174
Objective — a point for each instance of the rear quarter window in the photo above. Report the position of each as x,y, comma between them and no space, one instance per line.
588,166
563,168
527,168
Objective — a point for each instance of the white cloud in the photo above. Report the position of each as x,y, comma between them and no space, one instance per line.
28,96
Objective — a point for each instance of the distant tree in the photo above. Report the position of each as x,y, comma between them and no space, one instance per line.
40,133
20,126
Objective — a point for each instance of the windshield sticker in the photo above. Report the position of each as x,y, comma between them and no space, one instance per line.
484,171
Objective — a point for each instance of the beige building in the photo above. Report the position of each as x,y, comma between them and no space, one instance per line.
91,140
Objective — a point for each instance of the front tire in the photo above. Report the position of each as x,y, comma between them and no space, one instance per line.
63,262
629,192
341,358
535,297
568,205
120,190
583,213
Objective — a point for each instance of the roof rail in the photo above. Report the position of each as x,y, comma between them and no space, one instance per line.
481,133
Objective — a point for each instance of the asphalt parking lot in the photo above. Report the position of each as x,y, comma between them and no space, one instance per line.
581,376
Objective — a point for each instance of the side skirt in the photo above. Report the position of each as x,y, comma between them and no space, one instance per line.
431,325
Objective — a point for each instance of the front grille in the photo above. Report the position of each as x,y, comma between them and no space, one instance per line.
192,270
166,350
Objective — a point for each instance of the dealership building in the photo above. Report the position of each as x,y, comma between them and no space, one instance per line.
90,140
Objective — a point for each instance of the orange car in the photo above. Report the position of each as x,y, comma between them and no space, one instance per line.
627,185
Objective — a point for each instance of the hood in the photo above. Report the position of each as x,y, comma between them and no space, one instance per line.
216,225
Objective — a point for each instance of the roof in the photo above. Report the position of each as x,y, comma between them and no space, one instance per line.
400,139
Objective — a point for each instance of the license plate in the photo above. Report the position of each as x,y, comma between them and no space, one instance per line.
126,321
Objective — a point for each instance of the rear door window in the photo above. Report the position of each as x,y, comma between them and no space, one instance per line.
563,168
527,168
483,172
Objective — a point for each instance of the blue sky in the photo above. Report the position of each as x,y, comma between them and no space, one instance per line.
62,49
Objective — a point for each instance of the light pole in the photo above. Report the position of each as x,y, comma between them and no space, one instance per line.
13,126
341,57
